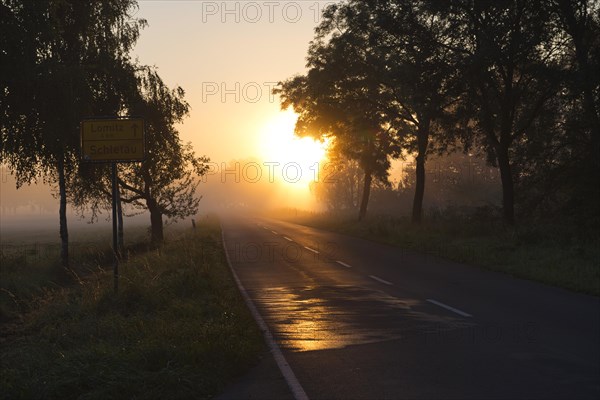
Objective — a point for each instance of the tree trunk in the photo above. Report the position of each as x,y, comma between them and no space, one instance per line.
362,213
422,143
121,240
62,213
156,223
508,193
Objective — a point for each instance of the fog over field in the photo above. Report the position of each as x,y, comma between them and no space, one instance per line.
299,199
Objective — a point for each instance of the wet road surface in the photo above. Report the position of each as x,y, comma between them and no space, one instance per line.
360,320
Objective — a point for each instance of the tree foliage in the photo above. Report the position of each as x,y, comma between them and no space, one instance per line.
394,63
66,60
165,183
338,100
59,65
514,79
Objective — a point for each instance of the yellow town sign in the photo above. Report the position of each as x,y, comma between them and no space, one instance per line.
112,140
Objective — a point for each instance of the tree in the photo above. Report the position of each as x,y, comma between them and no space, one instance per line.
580,19
419,70
395,61
60,65
165,183
167,180
512,75
575,157
339,184
329,111
339,100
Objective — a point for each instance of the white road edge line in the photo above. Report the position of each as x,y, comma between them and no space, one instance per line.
380,280
447,307
344,264
274,233
284,367
288,239
313,250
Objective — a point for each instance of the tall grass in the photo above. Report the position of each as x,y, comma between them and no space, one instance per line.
178,328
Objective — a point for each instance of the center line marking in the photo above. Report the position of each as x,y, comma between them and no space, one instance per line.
288,239
313,250
344,264
447,307
380,280
274,233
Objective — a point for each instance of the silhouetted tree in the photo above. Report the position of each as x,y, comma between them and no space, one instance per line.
512,74
329,110
339,99
59,65
571,162
396,62
339,184
165,183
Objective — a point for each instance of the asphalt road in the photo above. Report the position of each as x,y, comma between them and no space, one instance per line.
361,320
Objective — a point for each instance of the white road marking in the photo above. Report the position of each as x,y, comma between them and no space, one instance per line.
274,233
313,250
447,307
297,390
380,280
264,227
288,239
344,264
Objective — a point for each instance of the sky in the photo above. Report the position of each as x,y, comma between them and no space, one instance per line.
227,56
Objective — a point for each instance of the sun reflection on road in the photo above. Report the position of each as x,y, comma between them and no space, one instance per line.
333,317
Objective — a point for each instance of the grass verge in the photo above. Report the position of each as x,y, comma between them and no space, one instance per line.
178,328
547,254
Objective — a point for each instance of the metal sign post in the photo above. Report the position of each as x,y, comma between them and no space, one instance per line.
113,140
115,188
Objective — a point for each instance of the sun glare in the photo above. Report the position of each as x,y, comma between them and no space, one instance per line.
298,158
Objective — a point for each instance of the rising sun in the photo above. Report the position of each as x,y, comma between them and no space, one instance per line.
297,158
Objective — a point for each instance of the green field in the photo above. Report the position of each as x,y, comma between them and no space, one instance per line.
178,327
